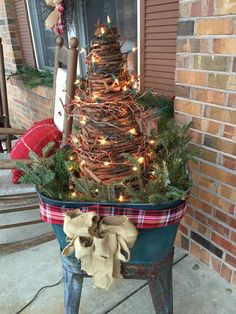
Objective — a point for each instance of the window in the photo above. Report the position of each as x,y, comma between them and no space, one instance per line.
44,39
123,14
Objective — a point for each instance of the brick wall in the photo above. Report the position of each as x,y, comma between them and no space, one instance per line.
206,95
9,34
28,106
25,106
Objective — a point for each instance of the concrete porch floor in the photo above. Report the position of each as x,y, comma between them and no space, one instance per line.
197,290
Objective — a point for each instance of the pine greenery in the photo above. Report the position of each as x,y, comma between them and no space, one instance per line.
168,177
49,172
32,77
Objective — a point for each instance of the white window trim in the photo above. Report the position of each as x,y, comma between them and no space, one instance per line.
32,34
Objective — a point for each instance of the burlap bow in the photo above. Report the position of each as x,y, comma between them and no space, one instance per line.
99,244
54,20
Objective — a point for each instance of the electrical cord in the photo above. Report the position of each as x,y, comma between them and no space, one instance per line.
44,287
32,300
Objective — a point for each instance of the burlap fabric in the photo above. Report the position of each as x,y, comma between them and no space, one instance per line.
100,244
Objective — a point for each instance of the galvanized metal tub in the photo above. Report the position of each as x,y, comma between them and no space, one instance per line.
152,245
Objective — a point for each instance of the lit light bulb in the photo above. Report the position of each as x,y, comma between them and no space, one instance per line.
73,194
97,190
141,160
125,88
134,49
121,198
83,121
71,168
103,141
135,85
77,82
82,163
102,30
152,142
117,82
93,59
82,50
132,131
135,168
106,163
132,78
72,158
108,20
95,97
75,140
78,98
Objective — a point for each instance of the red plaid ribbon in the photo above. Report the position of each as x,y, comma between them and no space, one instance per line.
143,219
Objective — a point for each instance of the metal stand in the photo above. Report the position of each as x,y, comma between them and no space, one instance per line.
158,275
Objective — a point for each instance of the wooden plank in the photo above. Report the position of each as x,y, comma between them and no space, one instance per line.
62,56
167,87
165,92
158,89
159,2
159,74
10,164
160,80
160,46
160,62
142,43
72,60
163,8
161,43
162,15
160,68
161,29
161,36
4,97
11,131
162,22
157,49
160,55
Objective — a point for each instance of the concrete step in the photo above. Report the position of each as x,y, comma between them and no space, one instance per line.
19,216
24,233
7,187
20,224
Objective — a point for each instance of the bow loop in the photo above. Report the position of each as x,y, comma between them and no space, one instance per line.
100,244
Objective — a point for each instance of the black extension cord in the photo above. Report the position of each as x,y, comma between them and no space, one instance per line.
32,300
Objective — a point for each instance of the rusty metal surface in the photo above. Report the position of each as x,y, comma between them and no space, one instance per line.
144,271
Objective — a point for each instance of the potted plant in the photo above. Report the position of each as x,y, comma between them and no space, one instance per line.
114,161
125,149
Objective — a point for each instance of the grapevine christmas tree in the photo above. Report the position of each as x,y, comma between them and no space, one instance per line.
109,117
112,157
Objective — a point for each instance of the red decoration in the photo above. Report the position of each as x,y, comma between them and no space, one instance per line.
34,139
